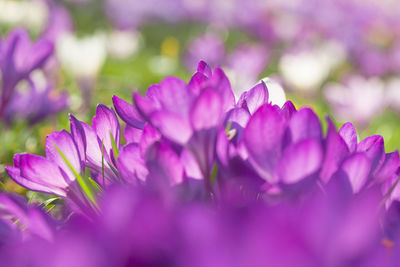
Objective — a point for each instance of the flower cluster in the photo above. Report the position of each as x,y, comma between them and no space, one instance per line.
205,180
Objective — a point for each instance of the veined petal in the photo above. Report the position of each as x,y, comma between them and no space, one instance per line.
374,148
203,68
131,165
132,135
335,152
239,116
105,122
389,167
174,96
172,126
357,168
221,83
128,113
349,135
304,124
78,134
145,105
207,110
163,165
15,174
256,97
288,110
149,136
63,141
299,161
39,174
93,146
263,139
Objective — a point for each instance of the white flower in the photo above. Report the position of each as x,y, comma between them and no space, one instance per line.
83,57
30,14
359,100
123,44
307,70
393,93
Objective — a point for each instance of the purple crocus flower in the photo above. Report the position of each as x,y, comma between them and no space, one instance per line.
188,115
18,58
53,174
281,192
365,164
36,104
33,220
96,143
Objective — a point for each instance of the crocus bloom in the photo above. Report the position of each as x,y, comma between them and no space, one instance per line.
96,143
358,99
36,104
18,58
53,174
206,181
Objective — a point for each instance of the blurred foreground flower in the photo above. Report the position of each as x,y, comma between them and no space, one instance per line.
204,179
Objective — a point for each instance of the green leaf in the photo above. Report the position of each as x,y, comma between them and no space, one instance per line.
95,185
86,188
114,146
31,198
214,173
49,202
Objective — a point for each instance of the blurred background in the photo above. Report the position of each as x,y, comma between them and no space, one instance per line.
341,57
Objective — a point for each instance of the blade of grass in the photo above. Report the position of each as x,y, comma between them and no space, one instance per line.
114,146
87,190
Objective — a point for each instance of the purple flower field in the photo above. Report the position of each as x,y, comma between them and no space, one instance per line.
199,133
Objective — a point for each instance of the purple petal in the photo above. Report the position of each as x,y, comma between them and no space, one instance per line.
145,106
62,140
374,149
204,69
304,124
239,117
389,167
263,138
299,161
149,136
172,126
15,174
207,110
132,135
93,146
163,164
335,151
197,82
39,53
349,135
128,113
357,168
174,96
131,165
38,173
189,163
221,83
288,110
256,97
78,134
105,122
